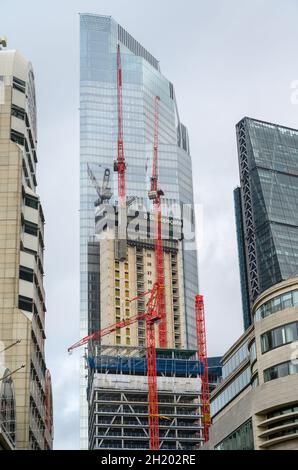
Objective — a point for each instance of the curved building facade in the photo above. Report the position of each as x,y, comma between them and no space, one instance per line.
256,405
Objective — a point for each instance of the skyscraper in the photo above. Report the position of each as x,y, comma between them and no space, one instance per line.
266,207
142,81
25,383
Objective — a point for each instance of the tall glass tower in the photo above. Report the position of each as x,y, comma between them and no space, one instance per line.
142,81
266,207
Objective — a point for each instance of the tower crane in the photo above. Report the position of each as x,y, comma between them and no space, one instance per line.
104,192
120,167
202,356
151,316
119,164
155,194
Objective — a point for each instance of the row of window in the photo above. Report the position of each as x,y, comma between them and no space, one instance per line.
235,360
281,302
280,370
231,391
283,411
279,336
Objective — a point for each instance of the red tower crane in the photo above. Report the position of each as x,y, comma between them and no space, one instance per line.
202,353
155,194
151,316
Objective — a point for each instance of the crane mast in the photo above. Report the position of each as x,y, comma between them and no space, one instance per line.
202,355
120,167
155,194
151,316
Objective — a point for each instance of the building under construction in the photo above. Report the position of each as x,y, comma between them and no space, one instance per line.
122,281
118,398
138,260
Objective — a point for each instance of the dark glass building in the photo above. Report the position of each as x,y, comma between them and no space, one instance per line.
266,207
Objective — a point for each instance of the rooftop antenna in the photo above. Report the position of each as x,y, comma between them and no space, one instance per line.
3,42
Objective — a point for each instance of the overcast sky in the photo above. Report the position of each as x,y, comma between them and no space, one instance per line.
227,59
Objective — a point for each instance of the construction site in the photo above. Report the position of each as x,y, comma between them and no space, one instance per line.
146,388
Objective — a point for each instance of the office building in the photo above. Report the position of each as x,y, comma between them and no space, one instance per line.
142,81
22,297
255,407
266,207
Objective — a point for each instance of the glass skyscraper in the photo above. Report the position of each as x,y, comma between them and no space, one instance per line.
266,207
142,81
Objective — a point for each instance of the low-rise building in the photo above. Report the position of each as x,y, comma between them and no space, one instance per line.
256,404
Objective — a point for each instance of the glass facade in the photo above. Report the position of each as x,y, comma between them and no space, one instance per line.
241,439
142,81
267,214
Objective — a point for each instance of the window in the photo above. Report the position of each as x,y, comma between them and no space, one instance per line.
30,228
253,353
25,303
18,112
31,202
17,137
19,84
26,274
279,336
117,283
126,284
280,370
